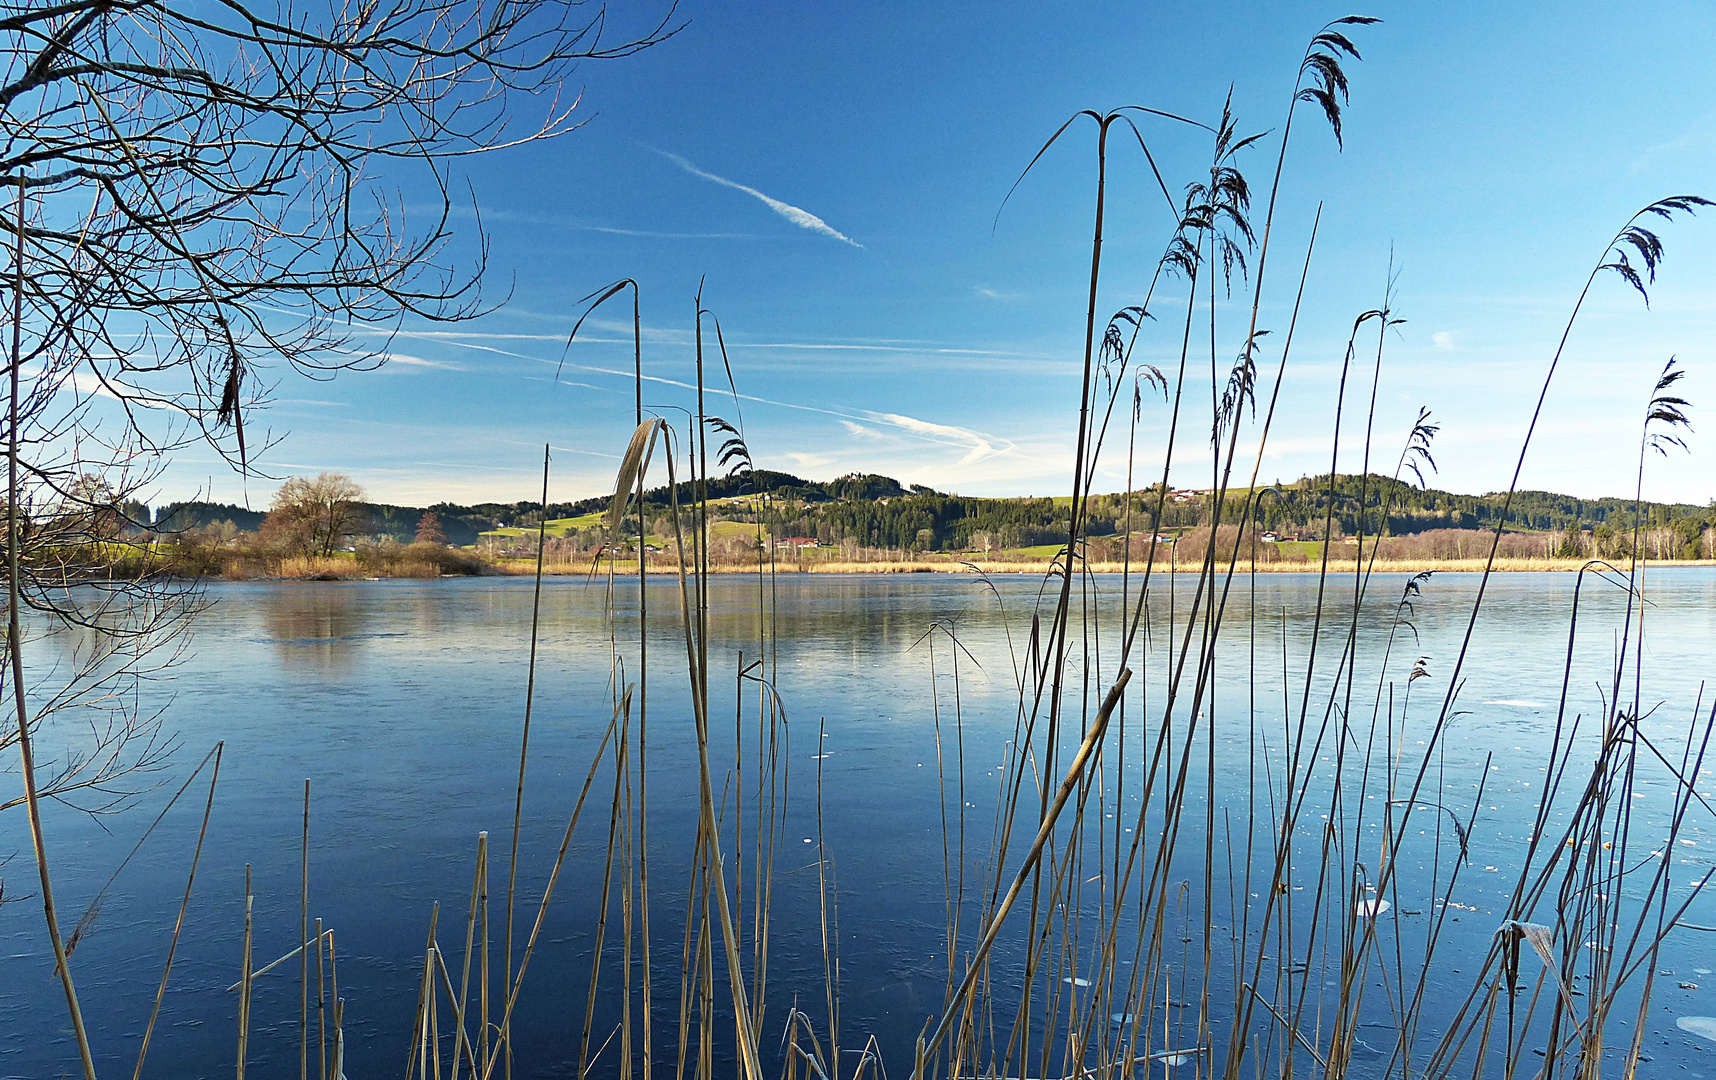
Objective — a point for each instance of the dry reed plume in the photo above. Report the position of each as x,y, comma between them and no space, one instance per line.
1241,917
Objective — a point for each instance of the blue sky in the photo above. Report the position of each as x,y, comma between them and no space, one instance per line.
832,174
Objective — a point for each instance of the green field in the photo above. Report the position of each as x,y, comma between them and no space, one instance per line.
557,527
1305,549
1039,551
560,527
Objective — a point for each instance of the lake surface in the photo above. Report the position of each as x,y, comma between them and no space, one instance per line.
402,703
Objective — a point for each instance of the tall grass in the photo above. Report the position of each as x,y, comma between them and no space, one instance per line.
1249,912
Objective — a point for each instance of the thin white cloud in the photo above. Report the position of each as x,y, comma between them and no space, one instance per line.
804,219
1442,339
652,235
87,385
586,453
560,221
810,462
865,347
672,335
567,382
979,446
418,361
1698,135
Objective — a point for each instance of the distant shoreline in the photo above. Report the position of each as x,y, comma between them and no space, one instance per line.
329,571
527,567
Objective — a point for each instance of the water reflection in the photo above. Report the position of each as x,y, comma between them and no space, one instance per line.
402,701
317,626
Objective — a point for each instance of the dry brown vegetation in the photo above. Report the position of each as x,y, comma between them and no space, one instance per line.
1436,549
1268,920
249,556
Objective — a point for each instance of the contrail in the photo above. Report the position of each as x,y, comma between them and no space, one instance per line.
804,219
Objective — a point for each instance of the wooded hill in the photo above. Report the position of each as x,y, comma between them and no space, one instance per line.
877,511
462,524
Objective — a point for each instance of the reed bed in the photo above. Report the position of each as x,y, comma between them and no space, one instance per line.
1241,566
396,561
1433,549
1069,939
1501,564
315,566
1130,909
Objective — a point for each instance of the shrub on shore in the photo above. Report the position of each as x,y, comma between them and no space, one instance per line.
248,556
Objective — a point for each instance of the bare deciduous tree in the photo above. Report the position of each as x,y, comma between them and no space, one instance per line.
205,194
314,516
429,530
203,185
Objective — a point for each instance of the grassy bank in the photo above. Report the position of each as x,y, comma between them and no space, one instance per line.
734,546
955,565
1269,883
243,563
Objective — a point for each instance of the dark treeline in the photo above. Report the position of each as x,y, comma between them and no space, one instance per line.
929,521
779,486
462,524
1303,506
878,512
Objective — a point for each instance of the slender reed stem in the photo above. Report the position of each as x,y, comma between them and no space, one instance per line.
179,923
517,983
1074,777
15,642
304,949
244,977
321,1002
524,740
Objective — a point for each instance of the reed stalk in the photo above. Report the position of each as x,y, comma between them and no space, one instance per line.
524,743
1075,774
321,1003
1092,982
15,650
304,948
244,977
462,999
621,765
596,300
179,921
516,982
426,1006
